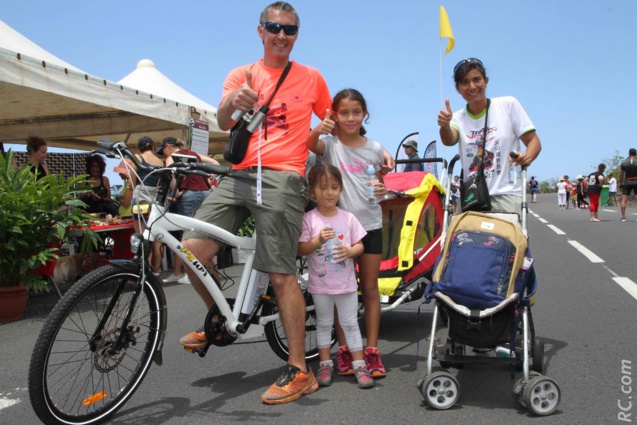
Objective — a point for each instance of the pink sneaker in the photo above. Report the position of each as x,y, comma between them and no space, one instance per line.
374,363
324,375
364,378
344,361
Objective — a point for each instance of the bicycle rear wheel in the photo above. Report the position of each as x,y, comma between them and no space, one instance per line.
277,339
79,375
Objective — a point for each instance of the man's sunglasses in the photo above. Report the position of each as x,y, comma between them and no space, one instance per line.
274,28
467,61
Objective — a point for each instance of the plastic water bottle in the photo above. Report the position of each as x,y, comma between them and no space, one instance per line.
336,243
514,172
371,179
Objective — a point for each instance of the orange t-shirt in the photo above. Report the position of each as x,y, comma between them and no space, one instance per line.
289,120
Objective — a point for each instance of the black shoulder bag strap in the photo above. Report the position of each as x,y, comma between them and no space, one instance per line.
263,111
484,139
484,144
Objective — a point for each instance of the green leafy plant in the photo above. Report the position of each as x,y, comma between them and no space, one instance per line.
36,216
247,229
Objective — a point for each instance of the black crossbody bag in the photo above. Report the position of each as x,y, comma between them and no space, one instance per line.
474,193
240,134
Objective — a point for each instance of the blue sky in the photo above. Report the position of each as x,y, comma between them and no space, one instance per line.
564,60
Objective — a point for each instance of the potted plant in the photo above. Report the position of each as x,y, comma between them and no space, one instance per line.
37,216
246,230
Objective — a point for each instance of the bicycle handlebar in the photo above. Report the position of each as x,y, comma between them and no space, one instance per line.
181,168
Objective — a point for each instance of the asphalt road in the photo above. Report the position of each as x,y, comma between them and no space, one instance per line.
585,314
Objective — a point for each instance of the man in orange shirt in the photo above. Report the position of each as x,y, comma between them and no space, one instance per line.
279,210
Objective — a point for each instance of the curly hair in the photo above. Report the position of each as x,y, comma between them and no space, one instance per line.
34,144
95,159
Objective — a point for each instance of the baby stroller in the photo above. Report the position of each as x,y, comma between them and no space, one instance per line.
412,230
484,287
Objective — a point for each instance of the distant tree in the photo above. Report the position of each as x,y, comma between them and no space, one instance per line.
613,164
545,187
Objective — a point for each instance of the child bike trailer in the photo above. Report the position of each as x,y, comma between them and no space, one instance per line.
412,229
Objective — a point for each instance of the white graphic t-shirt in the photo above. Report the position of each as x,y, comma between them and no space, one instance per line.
507,122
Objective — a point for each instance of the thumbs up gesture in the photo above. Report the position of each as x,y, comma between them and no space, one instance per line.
245,97
327,126
445,115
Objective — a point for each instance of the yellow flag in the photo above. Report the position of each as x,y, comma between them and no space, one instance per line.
445,29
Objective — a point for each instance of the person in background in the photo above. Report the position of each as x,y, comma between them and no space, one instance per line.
508,124
595,183
628,179
354,154
331,238
125,198
36,148
278,161
612,191
98,200
189,193
573,195
533,187
144,191
455,193
568,190
581,192
561,194
411,150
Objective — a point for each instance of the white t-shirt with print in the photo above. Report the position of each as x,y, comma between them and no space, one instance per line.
507,122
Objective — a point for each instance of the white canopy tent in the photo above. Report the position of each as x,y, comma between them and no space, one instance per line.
45,96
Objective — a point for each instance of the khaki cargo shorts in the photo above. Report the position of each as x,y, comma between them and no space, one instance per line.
277,221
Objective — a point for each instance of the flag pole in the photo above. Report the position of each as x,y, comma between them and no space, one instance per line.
445,31
442,100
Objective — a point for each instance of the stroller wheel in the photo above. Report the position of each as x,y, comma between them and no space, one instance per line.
538,355
518,387
440,390
541,395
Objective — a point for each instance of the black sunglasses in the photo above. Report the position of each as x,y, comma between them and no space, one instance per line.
467,61
274,28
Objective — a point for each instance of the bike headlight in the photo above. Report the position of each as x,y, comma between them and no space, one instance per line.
135,242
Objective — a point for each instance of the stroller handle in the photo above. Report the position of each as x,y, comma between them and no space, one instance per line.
452,164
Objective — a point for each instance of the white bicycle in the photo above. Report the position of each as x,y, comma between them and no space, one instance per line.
101,338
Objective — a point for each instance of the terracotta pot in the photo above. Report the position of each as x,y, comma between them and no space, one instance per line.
13,302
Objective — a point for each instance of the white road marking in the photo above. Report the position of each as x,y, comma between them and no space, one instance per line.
612,211
7,402
556,230
628,285
586,252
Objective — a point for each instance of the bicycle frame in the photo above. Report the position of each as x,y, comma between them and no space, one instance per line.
161,222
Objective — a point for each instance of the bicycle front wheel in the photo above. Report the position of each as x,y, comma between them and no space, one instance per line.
86,364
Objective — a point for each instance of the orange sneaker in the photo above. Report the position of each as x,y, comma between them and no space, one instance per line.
291,385
194,340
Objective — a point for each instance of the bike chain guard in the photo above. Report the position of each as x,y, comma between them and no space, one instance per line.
215,327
